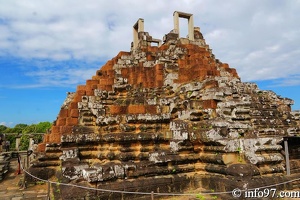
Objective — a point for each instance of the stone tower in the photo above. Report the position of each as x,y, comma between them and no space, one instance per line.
165,117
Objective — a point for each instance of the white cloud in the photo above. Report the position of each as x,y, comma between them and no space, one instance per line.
7,124
292,80
259,38
59,74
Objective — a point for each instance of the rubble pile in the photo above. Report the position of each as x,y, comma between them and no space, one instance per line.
4,165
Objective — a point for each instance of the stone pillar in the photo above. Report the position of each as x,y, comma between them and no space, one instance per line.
176,22
190,19
18,140
31,143
191,28
137,27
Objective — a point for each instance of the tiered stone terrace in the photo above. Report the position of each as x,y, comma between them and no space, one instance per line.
168,117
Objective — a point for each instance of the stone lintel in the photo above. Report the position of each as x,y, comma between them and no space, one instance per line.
182,14
177,15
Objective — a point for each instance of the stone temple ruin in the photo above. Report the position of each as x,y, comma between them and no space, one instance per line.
167,117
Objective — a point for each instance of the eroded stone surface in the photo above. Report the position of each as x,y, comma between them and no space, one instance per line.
169,110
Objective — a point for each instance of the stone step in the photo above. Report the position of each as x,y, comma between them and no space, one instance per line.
296,186
25,196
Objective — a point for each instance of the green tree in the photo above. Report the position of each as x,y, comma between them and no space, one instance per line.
24,142
43,127
12,139
38,138
8,130
30,129
2,128
19,128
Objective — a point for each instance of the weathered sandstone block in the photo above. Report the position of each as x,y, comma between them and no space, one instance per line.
170,113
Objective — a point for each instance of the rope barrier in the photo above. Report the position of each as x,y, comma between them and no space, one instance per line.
153,193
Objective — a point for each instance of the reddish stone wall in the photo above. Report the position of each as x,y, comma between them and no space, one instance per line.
145,77
196,64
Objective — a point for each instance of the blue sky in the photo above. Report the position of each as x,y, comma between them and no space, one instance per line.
47,48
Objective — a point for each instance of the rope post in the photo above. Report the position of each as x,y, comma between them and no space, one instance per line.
287,157
48,192
19,165
24,162
27,161
152,195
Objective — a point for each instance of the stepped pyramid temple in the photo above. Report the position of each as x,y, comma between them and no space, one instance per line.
168,117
